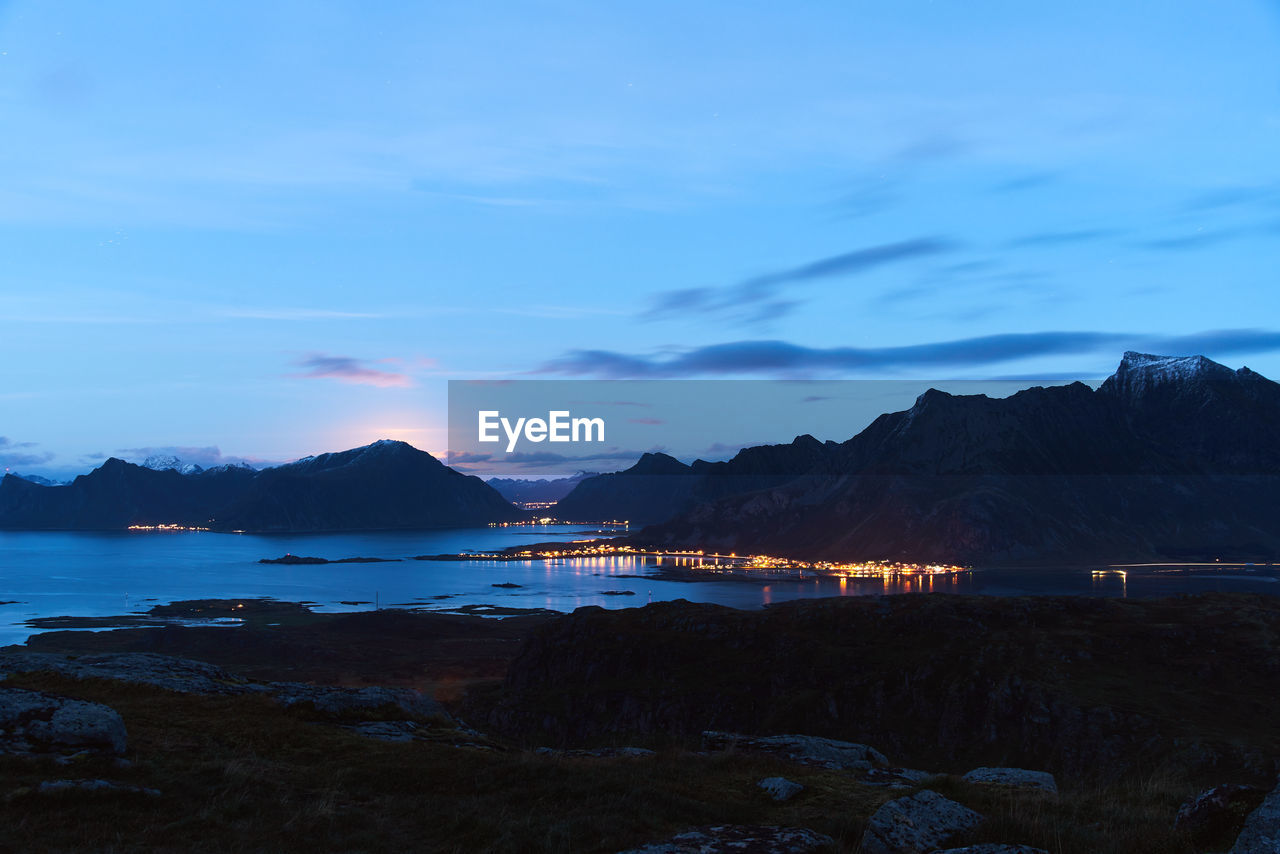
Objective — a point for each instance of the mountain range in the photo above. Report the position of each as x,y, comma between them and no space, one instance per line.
1171,457
386,485
529,491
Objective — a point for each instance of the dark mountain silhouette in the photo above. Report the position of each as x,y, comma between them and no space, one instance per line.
1169,458
660,487
655,488
380,486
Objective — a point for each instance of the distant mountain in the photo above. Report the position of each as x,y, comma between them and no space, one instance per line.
165,462
522,491
385,485
655,488
660,487
1171,457
38,480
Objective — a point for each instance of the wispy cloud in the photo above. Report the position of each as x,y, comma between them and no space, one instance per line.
350,370
295,314
781,358
1199,239
1030,181
1252,195
14,454
762,296
1063,238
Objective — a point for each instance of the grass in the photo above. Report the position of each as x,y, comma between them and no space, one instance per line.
242,774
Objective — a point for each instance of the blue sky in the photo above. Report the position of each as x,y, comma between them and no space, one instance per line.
267,232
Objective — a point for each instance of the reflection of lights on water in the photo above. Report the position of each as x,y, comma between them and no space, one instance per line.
1100,577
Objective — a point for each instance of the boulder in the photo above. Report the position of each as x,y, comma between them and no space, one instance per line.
1017,778
356,702
896,778
993,848
181,675
1261,833
32,722
741,839
1217,812
916,824
806,749
780,788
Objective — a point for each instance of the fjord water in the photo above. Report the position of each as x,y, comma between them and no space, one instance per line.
86,574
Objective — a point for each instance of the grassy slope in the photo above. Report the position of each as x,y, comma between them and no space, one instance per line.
240,774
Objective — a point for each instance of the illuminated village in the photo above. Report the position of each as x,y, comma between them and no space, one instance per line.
714,561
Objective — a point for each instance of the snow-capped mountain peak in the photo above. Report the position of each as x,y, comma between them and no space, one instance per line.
1163,368
163,462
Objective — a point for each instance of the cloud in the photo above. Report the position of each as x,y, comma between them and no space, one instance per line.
781,358
13,454
294,314
870,196
348,370
1219,342
1031,181
851,263
1237,196
759,297
1062,238
1199,239
927,149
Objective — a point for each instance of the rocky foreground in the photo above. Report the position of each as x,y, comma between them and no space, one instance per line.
900,724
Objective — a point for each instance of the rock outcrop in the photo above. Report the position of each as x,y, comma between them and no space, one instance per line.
340,702
1015,778
806,749
32,722
1261,832
180,675
917,824
780,788
1218,812
187,676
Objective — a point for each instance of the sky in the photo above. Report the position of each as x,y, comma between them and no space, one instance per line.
256,231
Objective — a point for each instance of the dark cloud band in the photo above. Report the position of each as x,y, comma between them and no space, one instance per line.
765,358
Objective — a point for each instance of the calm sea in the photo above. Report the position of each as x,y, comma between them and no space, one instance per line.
44,574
